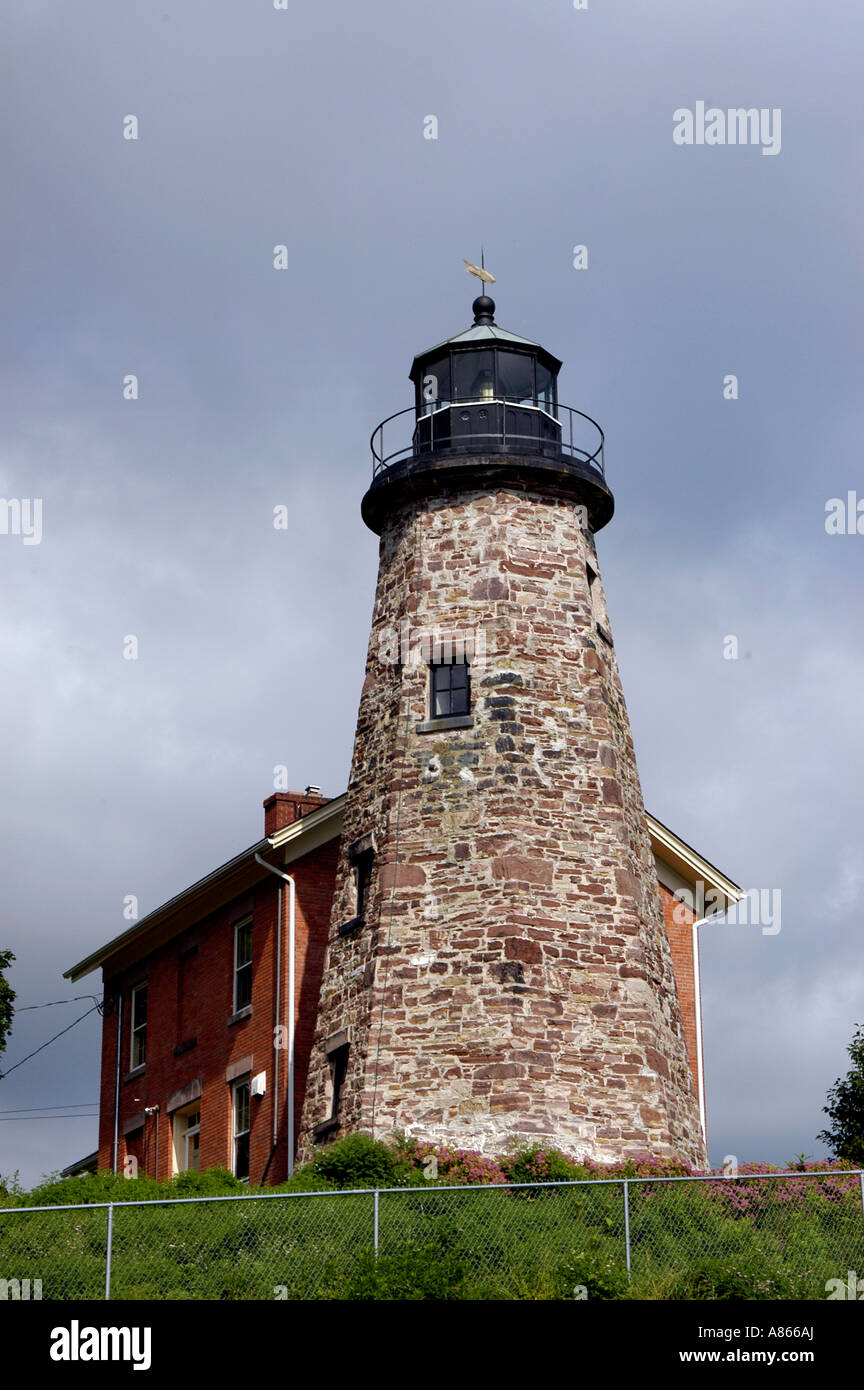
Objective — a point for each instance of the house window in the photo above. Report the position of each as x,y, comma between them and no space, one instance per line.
139,1026
243,965
450,688
187,1133
240,1128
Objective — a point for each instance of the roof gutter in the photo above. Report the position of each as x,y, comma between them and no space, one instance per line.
687,861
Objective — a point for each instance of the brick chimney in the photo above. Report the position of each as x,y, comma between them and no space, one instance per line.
282,808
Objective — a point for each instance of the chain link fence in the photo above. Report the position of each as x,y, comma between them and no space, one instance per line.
765,1236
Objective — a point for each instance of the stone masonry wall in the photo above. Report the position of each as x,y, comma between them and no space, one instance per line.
512,979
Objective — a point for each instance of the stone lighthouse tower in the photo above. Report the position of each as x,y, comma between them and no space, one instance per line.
498,970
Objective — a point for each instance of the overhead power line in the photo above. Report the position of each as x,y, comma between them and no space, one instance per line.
52,1003
71,1105
21,1119
4,1074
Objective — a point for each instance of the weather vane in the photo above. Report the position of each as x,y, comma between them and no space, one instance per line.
480,270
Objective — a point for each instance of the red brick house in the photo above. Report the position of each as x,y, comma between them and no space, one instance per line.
195,1057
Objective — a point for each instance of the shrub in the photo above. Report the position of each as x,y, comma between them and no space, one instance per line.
357,1161
450,1167
88,1188
11,1190
213,1182
538,1163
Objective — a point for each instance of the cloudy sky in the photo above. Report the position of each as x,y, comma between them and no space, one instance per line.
304,127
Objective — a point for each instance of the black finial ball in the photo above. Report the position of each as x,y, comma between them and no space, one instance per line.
484,309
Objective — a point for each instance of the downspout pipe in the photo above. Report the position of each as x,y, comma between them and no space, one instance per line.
117,1079
278,1013
154,1110
697,1001
287,878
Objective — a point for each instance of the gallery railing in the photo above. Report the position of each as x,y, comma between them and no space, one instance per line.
461,427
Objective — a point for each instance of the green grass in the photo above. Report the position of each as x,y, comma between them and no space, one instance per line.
748,1240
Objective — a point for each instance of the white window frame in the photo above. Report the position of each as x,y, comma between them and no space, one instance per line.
183,1132
247,965
135,1029
236,1134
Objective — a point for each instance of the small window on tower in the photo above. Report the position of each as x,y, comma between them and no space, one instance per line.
338,1071
362,879
337,1049
598,606
361,860
450,688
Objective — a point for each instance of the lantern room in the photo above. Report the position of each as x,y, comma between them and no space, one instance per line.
485,390
486,413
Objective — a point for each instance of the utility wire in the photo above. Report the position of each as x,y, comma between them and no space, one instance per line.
22,1008
72,1105
19,1119
4,1074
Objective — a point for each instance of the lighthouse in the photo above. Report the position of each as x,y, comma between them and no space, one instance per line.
497,971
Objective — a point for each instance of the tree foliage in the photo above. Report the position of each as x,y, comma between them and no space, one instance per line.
7,999
845,1108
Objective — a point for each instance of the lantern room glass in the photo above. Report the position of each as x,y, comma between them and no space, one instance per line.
487,392
473,376
545,389
434,386
516,377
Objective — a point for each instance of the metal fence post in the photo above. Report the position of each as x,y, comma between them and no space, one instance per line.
861,1180
108,1249
627,1225
376,1222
